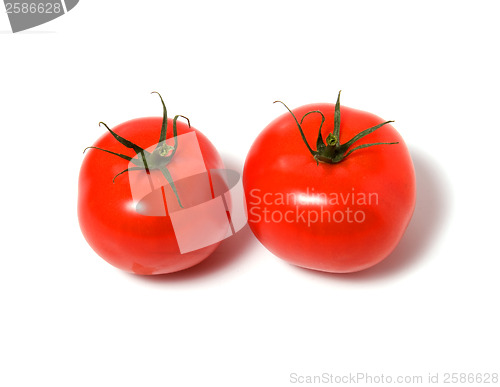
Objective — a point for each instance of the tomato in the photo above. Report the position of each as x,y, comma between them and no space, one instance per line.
341,207
126,211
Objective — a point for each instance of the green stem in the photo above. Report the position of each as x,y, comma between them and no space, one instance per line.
300,128
319,142
333,151
156,160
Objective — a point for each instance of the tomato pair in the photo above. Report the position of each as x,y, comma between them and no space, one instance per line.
148,196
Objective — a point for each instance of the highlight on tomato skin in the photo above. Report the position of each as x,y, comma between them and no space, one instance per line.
154,196
329,188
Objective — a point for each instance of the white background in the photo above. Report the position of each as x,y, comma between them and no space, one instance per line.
244,317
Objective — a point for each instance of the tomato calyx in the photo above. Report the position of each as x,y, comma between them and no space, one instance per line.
158,159
333,151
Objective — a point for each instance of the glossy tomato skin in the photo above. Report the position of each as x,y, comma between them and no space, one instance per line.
338,218
107,212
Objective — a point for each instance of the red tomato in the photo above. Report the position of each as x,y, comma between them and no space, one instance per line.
127,232
331,210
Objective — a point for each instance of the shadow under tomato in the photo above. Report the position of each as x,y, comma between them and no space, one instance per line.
227,254
429,218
